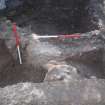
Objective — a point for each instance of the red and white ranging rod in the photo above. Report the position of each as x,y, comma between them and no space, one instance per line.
17,42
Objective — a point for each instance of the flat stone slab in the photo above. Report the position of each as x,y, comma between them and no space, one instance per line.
73,92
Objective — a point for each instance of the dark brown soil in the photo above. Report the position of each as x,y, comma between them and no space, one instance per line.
12,72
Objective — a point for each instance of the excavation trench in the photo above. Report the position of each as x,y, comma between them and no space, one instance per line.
49,17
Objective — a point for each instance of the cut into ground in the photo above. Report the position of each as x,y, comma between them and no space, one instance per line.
48,17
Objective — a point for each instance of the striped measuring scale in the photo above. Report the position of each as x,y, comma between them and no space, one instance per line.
17,42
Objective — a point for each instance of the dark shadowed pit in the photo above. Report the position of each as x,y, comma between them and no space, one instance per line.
55,16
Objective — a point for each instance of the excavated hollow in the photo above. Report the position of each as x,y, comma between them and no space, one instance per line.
51,18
